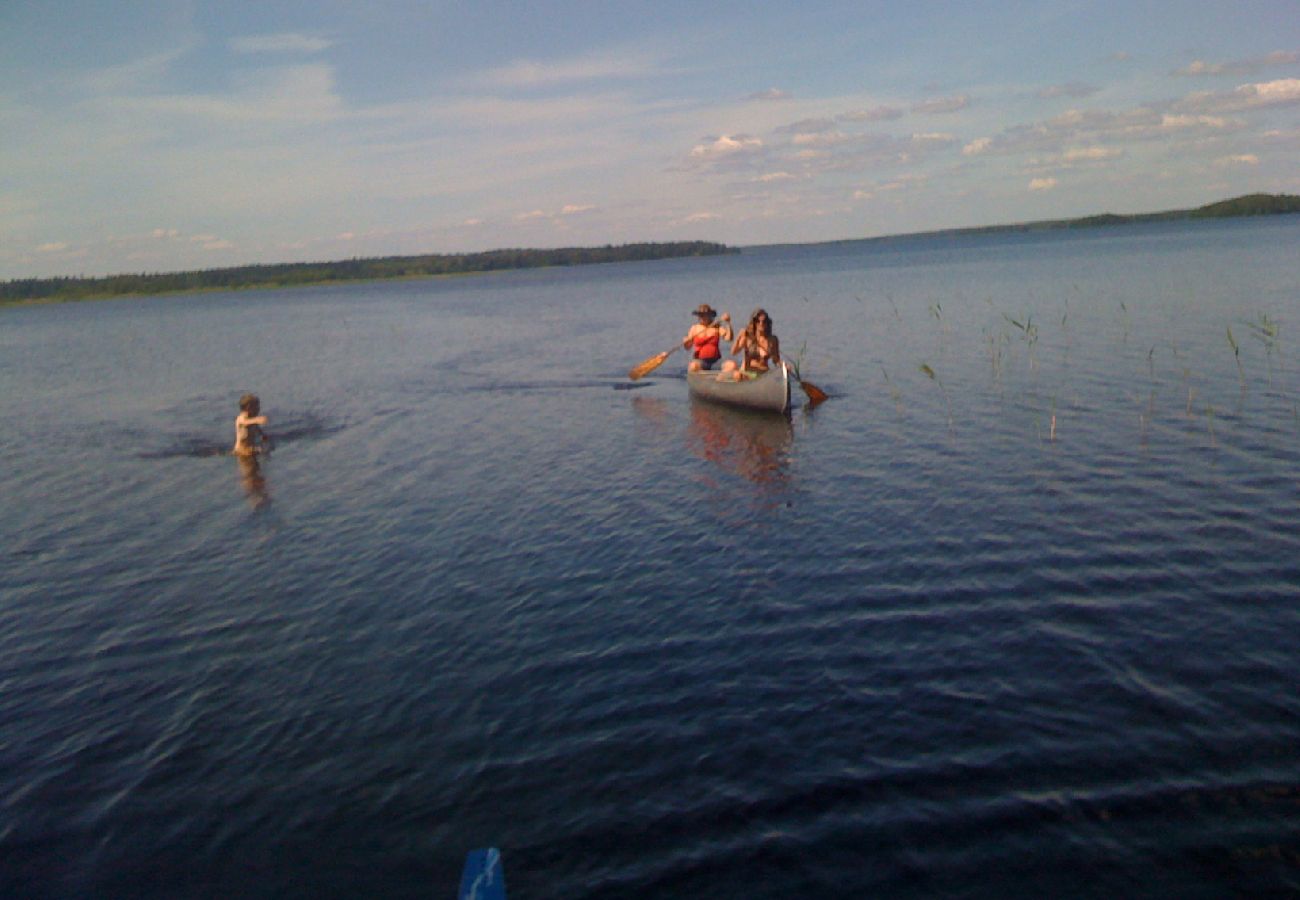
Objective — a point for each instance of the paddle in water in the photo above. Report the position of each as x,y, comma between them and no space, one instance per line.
815,394
640,370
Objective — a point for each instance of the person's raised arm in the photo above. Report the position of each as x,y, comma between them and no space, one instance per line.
739,344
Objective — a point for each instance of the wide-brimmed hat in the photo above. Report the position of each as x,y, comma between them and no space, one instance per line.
705,310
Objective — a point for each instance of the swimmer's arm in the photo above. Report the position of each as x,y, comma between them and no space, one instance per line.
250,420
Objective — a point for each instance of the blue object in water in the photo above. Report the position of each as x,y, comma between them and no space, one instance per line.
483,878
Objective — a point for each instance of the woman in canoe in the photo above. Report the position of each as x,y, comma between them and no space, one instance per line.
758,346
705,337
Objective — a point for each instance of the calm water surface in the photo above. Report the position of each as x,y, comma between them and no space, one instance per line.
1024,627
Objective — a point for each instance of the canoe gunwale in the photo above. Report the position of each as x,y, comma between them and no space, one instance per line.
769,392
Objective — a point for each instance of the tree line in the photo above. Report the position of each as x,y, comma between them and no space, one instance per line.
294,274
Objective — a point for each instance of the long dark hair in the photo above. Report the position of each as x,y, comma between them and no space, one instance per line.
752,328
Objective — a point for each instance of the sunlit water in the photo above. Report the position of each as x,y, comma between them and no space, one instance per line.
1025,627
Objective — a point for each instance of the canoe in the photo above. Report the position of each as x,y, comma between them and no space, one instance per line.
769,391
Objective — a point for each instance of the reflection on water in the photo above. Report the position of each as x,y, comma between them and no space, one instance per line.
753,445
253,481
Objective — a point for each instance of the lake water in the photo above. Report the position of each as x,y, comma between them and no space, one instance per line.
1026,627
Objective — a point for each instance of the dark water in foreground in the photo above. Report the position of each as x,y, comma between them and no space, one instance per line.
1024,628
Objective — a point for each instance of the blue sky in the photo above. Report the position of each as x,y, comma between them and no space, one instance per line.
152,136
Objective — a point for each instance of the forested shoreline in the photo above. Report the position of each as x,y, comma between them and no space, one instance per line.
1237,207
28,290
297,274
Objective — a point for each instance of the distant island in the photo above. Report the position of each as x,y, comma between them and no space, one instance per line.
1247,205
29,290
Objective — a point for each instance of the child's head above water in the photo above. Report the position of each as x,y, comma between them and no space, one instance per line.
249,404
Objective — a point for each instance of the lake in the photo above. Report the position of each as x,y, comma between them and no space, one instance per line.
1013,613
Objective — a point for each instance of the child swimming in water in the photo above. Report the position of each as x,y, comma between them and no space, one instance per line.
249,437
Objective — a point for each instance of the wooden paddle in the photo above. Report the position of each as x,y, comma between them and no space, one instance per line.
815,394
640,370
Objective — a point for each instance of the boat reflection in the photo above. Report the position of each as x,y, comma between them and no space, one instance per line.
750,444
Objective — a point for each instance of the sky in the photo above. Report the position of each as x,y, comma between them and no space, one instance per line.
161,135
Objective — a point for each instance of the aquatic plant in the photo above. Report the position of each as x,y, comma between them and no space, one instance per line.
933,376
1236,353
894,392
1028,333
1265,331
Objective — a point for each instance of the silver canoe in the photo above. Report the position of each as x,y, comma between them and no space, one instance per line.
770,391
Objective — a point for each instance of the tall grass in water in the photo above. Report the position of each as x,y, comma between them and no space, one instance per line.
930,373
1236,354
1265,331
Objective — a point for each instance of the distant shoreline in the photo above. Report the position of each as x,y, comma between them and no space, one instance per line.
288,275
1238,207
30,291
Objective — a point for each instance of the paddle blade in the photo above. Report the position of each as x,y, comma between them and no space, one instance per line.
815,394
642,369
483,878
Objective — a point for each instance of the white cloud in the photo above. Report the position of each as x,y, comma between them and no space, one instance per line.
807,126
769,94
726,145
292,94
934,138
1282,92
1090,154
52,247
1073,89
573,210
280,43
903,182
776,176
941,105
874,114
819,139
526,73
133,74
977,146
701,217
1240,66
530,215
1042,184
1239,159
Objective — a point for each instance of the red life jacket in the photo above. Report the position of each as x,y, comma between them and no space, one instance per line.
706,345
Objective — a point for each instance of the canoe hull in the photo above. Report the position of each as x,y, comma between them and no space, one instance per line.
769,392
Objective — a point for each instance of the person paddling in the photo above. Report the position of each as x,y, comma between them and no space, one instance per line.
705,338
